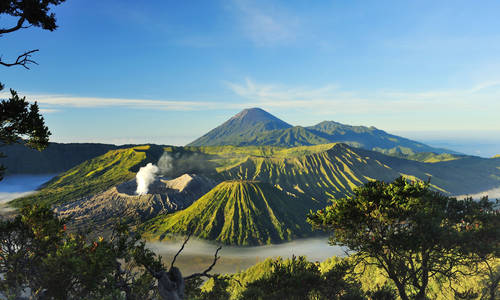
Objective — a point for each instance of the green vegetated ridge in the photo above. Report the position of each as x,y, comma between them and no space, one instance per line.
265,182
319,175
255,126
312,175
93,176
427,157
318,172
335,169
238,212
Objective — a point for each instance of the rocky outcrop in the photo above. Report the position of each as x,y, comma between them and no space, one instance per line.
121,202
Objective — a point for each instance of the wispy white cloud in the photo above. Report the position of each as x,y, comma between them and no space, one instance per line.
54,103
471,107
278,93
331,98
485,85
49,110
264,24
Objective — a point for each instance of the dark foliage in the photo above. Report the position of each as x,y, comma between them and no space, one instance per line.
300,279
411,232
20,120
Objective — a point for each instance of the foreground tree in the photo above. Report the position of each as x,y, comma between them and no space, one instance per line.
297,278
411,232
21,122
18,119
38,257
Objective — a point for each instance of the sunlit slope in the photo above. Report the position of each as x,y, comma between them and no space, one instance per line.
238,213
321,176
94,175
317,172
335,171
463,175
429,157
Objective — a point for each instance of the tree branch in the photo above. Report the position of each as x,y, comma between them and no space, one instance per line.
22,60
180,250
18,26
205,273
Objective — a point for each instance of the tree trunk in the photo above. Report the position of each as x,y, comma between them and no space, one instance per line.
171,285
493,288
401,290
423,286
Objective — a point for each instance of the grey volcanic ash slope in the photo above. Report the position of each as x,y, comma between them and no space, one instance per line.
122,202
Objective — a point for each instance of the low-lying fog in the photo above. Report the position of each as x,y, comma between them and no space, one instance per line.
15,186
199,254
492,194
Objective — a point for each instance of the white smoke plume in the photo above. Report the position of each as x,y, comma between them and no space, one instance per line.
165,163
145,177
147,174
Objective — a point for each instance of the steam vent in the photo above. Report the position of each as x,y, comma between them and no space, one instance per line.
121,201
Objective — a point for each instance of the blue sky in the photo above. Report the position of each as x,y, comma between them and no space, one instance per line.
169,71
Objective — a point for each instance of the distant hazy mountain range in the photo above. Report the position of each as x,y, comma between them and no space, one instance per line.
257,127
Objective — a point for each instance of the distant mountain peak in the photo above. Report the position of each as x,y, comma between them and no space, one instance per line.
250,111
256,114
246,125
255,126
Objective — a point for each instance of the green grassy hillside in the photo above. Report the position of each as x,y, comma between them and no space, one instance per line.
266,191
466,175
238,213
334,169
318,172
94,175
428,157
321,175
